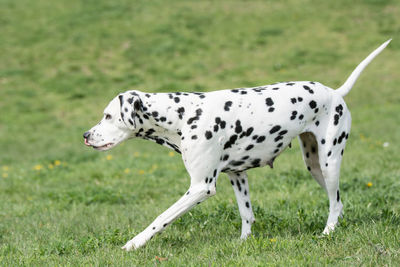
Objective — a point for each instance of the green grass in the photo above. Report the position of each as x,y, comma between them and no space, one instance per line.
62,61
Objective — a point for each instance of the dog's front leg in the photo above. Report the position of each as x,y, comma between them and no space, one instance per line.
196,194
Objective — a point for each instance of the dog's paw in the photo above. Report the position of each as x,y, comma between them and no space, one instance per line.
129,246
246,229
329,228
134,243
245,235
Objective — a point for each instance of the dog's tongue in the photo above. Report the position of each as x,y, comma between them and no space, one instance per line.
86,142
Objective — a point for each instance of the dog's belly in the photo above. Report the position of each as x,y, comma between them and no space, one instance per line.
241,158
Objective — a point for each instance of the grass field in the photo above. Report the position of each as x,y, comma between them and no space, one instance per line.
62,204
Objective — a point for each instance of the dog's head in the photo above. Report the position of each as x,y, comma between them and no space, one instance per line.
118,122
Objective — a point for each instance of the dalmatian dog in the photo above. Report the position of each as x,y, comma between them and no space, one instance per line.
232,131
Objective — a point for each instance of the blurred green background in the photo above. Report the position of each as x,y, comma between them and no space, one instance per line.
61,62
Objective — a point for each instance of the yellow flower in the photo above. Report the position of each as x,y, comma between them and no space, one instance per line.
5,168
51,166
141,172
109,157
127,171
5,175
57,162
136,154
369,184
38,167
154,167
171,154
272,240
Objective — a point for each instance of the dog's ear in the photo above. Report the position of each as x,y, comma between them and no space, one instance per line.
130,105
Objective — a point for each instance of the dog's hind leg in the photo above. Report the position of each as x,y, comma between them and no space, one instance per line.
241,187
322,152
326,174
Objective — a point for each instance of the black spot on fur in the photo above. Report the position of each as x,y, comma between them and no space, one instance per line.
249,147
307,88
197,117
227,106
231,141
238,185
274,129
269,102
180,111
249,131
238,128
294,113
208,135
236,162
256,162
260,139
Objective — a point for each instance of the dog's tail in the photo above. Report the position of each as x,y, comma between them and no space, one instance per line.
346,87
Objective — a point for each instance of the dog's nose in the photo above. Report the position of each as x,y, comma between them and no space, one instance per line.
86,135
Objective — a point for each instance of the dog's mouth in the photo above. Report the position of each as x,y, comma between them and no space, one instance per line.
103,147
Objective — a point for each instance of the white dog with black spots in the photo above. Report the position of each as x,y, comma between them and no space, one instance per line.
232,131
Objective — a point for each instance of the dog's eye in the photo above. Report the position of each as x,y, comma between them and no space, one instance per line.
108,117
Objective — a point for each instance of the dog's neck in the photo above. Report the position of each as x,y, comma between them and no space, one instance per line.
163,115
